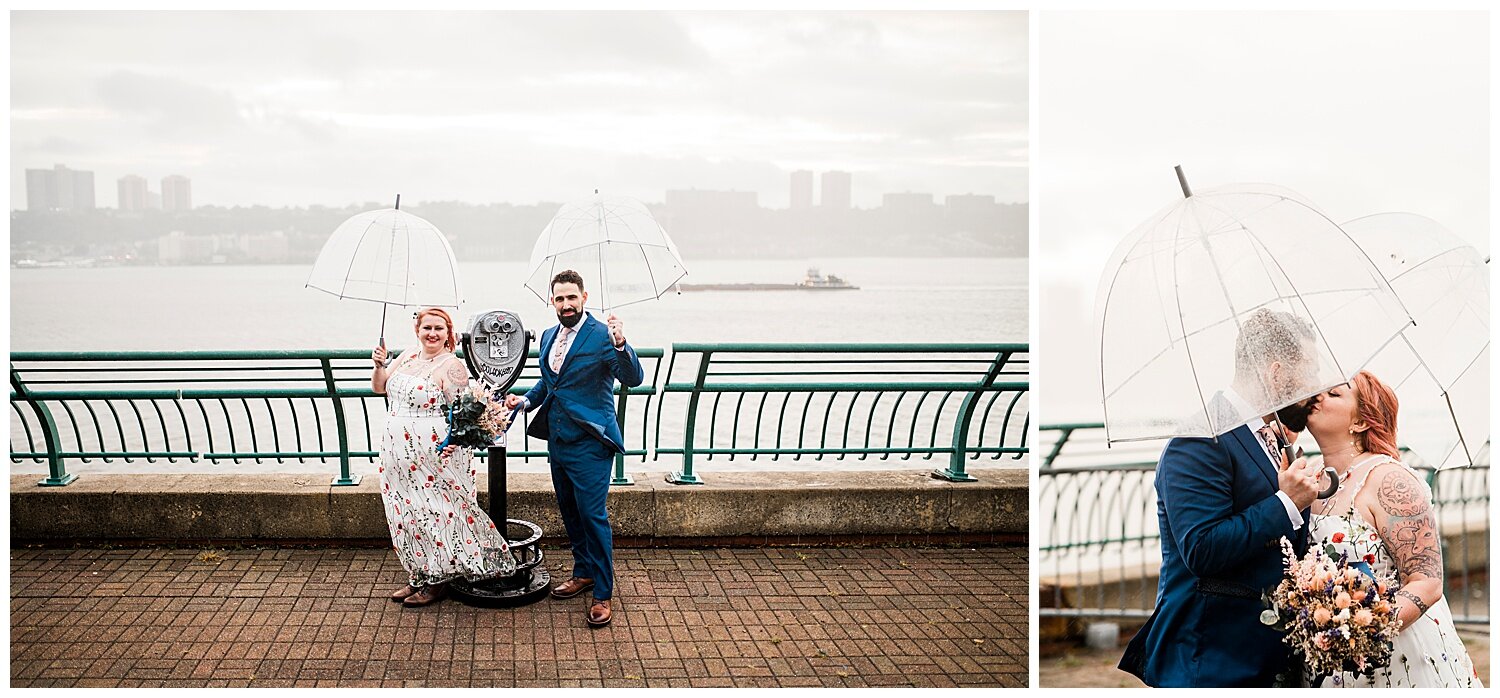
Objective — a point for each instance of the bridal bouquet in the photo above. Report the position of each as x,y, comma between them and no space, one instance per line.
475,419
1335,613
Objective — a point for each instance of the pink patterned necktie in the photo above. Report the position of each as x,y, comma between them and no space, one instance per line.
1268,439
560,348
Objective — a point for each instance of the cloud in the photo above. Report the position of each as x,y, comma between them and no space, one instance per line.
329,107
168,107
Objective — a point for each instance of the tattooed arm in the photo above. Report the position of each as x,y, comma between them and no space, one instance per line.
453,377
1408,526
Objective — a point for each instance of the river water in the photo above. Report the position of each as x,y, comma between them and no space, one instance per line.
268,307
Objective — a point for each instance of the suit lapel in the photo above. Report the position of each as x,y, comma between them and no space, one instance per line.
1250,448
549,336
584,328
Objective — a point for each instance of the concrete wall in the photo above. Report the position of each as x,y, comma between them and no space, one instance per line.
769,507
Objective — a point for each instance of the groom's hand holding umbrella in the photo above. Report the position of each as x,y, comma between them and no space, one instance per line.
1299,480
616,331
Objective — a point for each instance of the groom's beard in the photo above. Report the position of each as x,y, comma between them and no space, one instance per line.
1294,416
569,321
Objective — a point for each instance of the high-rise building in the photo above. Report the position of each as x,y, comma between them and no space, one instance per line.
59,189
133,193
176,193
836,190
41,190
802,189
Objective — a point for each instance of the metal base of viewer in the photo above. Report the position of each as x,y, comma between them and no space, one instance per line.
528,584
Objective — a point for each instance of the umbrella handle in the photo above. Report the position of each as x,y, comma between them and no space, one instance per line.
1333,475
1333,483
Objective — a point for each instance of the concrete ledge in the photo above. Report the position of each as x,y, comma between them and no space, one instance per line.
767,506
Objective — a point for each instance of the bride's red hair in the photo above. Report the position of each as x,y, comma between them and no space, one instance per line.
1377,409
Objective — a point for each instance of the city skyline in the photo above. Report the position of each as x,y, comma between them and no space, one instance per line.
494,110
133,193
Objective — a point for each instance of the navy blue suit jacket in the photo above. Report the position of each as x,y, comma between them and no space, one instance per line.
1221,527
578,400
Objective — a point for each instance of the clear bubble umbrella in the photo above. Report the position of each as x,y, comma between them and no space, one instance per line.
1440,368
1178,292
622,253
389,257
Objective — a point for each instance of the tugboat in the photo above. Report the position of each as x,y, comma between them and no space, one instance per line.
812,281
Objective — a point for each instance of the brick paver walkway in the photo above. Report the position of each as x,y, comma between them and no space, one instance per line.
716,617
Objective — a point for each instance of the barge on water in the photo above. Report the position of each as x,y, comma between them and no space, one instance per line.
813,281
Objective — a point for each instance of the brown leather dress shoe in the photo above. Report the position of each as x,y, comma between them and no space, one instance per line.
401,594
599,614
571,588
426,595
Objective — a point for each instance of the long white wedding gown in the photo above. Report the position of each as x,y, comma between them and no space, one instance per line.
1426,653
437,529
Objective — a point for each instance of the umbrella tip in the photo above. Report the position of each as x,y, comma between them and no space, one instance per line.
398,202
1187,192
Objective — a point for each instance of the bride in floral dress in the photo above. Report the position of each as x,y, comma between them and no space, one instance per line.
1383,515
437,528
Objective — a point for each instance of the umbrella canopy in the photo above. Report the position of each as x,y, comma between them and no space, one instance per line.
1246,275
388,256
623,254
1440,369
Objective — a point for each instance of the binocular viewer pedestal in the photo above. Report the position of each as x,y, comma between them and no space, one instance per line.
495,350
530,582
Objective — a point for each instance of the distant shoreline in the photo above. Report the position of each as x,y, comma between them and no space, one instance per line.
20,264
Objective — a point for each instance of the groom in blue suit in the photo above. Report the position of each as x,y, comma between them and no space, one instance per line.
574,408
1223,505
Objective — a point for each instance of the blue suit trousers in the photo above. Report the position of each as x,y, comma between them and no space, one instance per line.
580,476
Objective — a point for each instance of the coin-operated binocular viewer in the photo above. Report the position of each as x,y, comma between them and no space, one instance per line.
495,349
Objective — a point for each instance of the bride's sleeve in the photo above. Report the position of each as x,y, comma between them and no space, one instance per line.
453,379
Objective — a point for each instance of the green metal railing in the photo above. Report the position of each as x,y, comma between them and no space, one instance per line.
962,400
965,401
224,406
1099,545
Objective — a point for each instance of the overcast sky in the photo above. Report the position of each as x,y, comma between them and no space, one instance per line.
1359,112
338,108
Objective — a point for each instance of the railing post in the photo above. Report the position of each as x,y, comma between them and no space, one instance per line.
1067,433
956,472
58,475
686,476
345,478
621,479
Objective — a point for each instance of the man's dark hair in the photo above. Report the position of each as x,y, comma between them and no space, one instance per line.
1269,336
567,276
